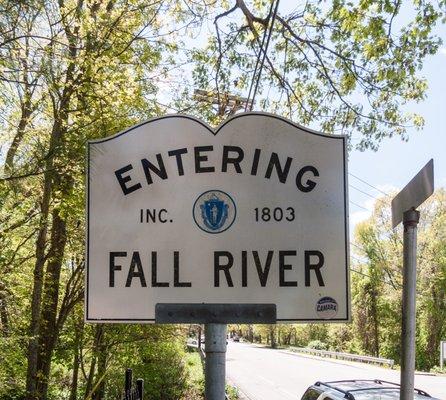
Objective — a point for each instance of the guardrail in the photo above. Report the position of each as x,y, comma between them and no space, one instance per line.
344,356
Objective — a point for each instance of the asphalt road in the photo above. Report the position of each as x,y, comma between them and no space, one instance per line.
265,374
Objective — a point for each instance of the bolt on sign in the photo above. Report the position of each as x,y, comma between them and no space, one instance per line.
254,211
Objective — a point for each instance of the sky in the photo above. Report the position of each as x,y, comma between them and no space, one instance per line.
396,162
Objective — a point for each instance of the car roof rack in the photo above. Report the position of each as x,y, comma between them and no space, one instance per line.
349,395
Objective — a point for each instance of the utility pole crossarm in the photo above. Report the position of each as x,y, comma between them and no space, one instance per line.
227,103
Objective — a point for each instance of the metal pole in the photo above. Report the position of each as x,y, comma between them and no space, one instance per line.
442,355
140,388
410,221
128,381
215,364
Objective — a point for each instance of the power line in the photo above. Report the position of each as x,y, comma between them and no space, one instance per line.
362,191
359,247
264,53
359,272
368,276
368,184
357,205
258,59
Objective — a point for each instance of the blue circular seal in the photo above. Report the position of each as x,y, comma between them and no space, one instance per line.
327,307
214,211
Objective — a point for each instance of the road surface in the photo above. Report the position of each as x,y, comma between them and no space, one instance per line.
265,374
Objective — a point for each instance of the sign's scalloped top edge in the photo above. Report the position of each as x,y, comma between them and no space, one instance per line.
215,131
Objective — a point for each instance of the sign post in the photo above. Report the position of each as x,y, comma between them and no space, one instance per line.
442,353
245,223
404,209
215,366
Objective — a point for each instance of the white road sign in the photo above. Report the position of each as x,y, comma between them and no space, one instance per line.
254,211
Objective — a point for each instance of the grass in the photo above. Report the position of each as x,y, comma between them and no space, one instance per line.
196,376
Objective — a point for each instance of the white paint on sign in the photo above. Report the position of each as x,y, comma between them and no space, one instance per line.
253,212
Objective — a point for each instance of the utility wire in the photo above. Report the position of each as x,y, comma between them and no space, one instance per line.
264,55
359,272
362,191
358,247
357,205
368,184
368,276
258,60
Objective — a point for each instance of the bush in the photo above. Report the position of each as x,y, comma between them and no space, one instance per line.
317,345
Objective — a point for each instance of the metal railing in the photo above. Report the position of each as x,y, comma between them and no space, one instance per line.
344,356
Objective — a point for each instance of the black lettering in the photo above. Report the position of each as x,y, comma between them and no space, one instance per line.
200,158
244,268
309,184
150,215
160,217
177,154
285,267
148,166
155,282
122,180
255,162
263,273
235,160
114,267
176,271
136,262
223,267
274,162
316,267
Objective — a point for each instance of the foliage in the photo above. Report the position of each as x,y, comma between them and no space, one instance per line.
75,70
317,345
376,284
342,66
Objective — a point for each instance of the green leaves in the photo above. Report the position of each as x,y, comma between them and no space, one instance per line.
342,67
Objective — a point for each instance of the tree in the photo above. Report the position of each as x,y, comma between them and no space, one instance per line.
81,65
377,288
345,67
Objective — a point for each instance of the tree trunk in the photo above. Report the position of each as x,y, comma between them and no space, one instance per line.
74,380
4,320
27,109
435,322
24,118
49,332
34,327
375,318
272,334
96,345
102,358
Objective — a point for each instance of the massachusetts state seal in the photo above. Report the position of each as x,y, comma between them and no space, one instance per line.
214,211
